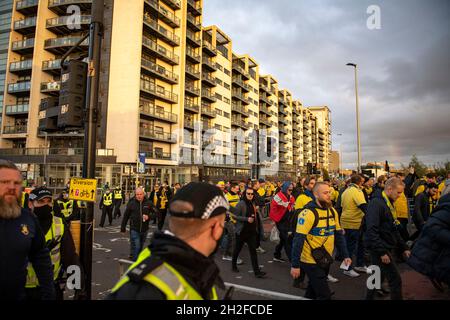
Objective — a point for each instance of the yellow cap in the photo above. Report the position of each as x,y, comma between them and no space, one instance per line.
221,183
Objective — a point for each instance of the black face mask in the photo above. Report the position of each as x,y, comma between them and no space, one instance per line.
43,212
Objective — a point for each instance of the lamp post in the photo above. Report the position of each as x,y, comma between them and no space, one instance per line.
357,115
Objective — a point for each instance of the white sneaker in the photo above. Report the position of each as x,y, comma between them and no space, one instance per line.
227,258
362,269
332,279
260,250
352,273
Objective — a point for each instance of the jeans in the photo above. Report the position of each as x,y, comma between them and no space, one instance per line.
284,241
250,239
317,285
391,272
229,238
302,272
355,243
137,239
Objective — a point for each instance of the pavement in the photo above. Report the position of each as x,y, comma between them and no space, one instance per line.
110,246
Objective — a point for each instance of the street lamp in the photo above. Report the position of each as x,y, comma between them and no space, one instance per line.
357,114
341,170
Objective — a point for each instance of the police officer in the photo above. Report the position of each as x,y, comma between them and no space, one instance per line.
66,208
21,241
106,205
58,240
178,265
317,231
119,198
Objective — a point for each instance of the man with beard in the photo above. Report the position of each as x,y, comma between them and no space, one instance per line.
58,240
178,264
317,230
21,241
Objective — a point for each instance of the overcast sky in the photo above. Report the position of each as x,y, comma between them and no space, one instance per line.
404,68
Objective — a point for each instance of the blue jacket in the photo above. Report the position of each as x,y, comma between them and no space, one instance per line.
22,241
431,253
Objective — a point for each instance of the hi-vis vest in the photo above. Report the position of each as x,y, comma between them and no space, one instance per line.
55,233
66,208
169,281
117,194
23,200
107,199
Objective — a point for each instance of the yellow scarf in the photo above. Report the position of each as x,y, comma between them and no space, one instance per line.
391,207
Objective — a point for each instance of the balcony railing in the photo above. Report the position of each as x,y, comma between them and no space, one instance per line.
264,109
163,14
209,78
209,47
19,129
23,44
17,109
150,110
159,71
19,87
158,155
240,122
53,151
26,4
210,63
193,71
51,64
68,21
174,4
194,21
189,105
167,35
156,135
64,42
239,95
196,6
50,86
192,89
240,108
191,53
241,70
207,94
208,111
162,52
21,65
191,36
265,121
25,23
151,88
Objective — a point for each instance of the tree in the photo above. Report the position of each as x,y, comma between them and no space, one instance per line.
419,167
441,169
326,175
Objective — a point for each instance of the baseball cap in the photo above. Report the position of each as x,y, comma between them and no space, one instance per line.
207,200
40,193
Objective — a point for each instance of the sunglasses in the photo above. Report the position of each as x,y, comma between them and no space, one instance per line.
250,194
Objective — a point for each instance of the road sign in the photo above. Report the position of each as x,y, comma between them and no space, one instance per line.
141,163
83,189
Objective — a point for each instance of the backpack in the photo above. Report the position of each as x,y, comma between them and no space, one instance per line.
294,218
415,186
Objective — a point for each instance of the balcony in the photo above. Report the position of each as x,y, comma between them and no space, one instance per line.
208,95
239,108
208,111
164,34
158,71
60,6
21,67
282,130
263,87
51,88
265,110
62,45
166,16
194,39
160,52
306,133
173,4
283,149
207,125
52,66
209,48
194,7
296,128
242,84
239,122
189,124
27,7
23,46
194,23
20,88
192,72
282,120
192,90
265,121
282,111
265,99
25,26
209,63
190,106
67,24
149,110
238,95
147,133
241,70
192,55
18,109
209,79
159,155
19,129
151,89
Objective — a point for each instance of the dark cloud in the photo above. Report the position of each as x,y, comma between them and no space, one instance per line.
404,71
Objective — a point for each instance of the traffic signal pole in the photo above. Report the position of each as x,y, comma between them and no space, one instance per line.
90,136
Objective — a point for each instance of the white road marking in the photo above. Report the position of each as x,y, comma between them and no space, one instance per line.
264,293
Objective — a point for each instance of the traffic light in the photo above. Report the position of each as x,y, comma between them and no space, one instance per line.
72,94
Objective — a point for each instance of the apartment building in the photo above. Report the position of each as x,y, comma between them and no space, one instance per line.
323,125
165,80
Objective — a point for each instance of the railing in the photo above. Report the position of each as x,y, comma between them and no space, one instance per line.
23,44
160,49
51,64
195,5
52,3
191,35
27,22
159,135
162,93
191,106
21,65
62,21
169,15
209,62
19,87
53,151
18,108
174,4
208,94
194,20
238,107
169,35
194,90
159,70
208,110
209,46
26,3
150,109
51,86
192,70
66,41
157,155
190,52
15,129
208,77
207,125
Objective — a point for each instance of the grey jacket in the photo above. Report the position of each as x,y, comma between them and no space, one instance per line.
240,214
